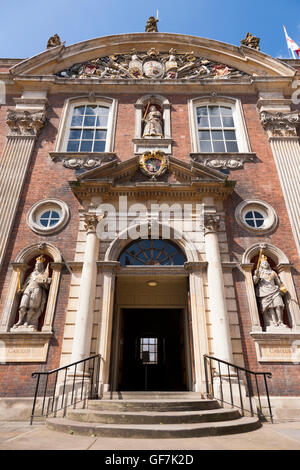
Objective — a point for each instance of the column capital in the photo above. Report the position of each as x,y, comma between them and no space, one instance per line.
90,222
211,223
278,124
25,123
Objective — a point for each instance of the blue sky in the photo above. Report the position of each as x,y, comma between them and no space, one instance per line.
26,25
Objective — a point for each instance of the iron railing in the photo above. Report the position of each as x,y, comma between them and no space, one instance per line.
231,374
81,383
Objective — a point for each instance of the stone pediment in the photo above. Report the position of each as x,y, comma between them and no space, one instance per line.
187,179
129,171
178,56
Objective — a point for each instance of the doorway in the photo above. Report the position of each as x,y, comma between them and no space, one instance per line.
153,350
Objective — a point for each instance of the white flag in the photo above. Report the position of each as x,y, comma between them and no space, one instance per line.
291,44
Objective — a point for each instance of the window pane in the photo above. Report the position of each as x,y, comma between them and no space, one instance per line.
205,146
232,146
204,135
100,135
45,215
91,110
228,122
99,146
73,146
202,111
259,222
75,134
88,135
76,121
230,135
217,135
101,111
215,121
226,111
79,111
86,146
202,121
214,111
89,121
219,146
258,215
102,121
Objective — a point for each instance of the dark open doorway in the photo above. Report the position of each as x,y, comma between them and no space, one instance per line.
153,352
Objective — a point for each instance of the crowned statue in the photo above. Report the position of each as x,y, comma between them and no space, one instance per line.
34,296
153,122
269,292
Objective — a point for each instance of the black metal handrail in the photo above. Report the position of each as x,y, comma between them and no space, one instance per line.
49,390
234,372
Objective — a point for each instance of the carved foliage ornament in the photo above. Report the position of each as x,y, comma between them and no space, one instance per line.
151,65
25,123
211,223
280,124
90,222
153,163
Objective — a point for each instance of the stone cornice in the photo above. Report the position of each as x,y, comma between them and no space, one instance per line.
280,124
25,123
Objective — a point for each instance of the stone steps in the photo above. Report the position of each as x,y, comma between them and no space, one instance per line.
154,430
158,405
155,415
175,417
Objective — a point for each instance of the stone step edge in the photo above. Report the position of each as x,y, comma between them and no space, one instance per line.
156,413
154,431
152,417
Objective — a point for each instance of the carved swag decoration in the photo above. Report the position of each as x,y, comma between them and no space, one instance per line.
151,65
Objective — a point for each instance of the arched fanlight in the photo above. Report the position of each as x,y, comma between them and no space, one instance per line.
152,253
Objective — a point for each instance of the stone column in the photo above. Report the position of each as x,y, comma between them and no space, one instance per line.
198,318
24,128
282,132
105,335
217,301
85,312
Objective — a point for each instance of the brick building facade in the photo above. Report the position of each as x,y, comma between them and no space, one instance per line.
222,155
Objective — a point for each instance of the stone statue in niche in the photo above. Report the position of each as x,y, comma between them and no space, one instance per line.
153,122
269,292
34,296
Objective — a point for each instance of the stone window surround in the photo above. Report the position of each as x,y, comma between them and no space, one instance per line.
141,144
238,118
272,347
29,346
47,204
271,218
65,121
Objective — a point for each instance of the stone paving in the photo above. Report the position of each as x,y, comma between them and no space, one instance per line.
22,436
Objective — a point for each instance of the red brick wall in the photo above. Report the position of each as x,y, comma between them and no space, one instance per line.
47,179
